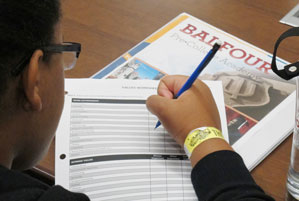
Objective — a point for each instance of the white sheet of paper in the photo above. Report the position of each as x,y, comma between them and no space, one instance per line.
292,17
107,147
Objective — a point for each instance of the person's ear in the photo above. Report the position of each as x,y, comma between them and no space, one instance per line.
31,82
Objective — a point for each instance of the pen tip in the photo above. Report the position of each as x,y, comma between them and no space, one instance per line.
158,124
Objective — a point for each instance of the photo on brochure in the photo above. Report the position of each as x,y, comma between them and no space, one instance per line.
248,98
136,69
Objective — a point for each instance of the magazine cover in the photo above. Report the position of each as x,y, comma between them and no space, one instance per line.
260,107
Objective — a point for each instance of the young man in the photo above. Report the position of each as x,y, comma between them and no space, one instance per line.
31,102
32,94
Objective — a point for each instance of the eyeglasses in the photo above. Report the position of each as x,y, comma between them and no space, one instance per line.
70,52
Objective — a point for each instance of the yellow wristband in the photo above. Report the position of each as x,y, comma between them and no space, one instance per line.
199,135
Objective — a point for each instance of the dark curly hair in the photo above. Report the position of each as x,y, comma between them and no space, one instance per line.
25,25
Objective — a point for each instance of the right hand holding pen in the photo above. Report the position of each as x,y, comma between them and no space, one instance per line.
194,108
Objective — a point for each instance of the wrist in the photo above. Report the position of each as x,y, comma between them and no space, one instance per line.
199,135
203,141
193,126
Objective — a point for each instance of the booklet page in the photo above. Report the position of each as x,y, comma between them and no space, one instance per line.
107,147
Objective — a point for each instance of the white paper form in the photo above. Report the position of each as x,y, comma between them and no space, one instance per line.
107,147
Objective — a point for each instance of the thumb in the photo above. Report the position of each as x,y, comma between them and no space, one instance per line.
156,104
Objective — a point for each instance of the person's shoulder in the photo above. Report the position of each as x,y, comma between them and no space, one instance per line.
15,185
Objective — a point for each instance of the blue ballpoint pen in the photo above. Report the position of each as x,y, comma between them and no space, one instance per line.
197,71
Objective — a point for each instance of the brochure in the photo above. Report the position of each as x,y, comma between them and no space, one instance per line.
260,107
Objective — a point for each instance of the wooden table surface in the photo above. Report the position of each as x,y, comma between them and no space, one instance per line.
108,28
